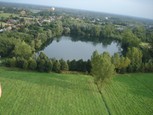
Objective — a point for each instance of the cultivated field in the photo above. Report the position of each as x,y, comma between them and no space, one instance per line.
31,93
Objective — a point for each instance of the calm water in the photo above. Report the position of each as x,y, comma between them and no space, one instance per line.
67,49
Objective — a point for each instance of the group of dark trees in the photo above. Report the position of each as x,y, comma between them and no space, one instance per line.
42,63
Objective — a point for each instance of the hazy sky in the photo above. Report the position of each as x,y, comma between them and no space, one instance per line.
139,8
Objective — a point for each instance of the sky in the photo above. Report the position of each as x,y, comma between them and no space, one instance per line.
137,8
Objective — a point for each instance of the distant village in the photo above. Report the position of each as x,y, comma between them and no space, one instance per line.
17,21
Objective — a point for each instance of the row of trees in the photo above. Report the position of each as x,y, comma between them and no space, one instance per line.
132,62
12,47
104,66
42,63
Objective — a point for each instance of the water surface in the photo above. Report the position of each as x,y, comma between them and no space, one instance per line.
67,49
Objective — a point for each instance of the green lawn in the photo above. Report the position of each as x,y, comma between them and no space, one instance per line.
32,93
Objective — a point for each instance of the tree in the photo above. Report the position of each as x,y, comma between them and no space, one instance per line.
108,30
32,64
49,33
135,55
116,61
80,65
42,36
22,63
40,64
73,65
88,66
11,62
66,31
148,66
102,68
44,64
151,44
120,62
56,66
129,39
64,65
96,31
36,44
48,65
7,45
140,32
22,49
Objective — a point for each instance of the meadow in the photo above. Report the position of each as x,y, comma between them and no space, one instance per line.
130,94
33,93
7,15
29,93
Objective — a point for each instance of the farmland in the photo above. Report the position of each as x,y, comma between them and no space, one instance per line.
35,93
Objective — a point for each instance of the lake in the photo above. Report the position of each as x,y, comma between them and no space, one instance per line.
68,49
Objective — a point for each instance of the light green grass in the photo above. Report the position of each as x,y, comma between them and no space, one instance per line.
29,93
32,93
6,15
130,94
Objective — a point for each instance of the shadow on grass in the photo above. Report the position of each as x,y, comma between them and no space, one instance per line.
46,79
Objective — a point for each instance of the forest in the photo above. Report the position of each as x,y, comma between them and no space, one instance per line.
30,32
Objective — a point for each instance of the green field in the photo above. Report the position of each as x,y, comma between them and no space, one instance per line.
6,15
130,94
27,93
32,93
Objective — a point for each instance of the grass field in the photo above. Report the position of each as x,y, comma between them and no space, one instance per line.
6,15
27,93
31,93
130,94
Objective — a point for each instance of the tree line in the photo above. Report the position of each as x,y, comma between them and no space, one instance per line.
132,62
42,63
21,44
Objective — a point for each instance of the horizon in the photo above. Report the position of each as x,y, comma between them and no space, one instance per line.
143,11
